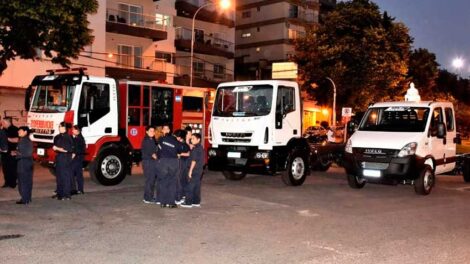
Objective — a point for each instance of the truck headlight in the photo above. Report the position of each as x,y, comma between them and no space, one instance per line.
408,150
348,148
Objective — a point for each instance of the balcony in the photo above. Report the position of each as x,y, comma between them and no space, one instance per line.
135,24
187,8
203,43
137,68
202,78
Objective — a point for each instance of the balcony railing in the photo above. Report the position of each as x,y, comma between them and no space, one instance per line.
134,19
182,71
138,63
203,43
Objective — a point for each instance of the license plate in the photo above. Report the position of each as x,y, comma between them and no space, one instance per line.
40,151
372,173
236,155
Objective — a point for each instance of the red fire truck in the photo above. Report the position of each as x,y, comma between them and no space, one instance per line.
113,115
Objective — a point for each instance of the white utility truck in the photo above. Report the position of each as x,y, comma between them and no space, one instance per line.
256,127
405,142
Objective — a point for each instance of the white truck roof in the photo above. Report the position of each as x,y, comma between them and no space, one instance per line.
258,82
410,104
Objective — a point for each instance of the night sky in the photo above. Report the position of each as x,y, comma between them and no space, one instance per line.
441,26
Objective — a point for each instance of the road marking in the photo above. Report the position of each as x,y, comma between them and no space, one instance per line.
307,213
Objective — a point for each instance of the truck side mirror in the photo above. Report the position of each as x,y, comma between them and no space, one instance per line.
351,127
278,121
441,130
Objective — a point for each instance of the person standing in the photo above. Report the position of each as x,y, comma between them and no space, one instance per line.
183,157
9,161
149,160
79,149
167,167
24,157
196,168
63,146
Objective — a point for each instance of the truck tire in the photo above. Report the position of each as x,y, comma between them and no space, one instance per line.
356,182
234,175
109,167
425,181
466,169
296,169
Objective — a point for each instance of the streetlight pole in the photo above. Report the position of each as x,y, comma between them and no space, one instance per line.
334,100
192,41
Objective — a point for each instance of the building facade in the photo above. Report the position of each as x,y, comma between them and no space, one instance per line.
266,30
214,49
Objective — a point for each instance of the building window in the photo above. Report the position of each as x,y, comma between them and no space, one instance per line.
198,35
246,14
163,20
295,34
246,35
219,71
130,14
258,29
198,68
165,56
129,56
293,11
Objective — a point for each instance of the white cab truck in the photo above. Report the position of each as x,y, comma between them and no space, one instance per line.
405,142
256,127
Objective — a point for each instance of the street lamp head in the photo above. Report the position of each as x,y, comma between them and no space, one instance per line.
457,63
224,4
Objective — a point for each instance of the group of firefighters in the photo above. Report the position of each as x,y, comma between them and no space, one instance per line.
172,164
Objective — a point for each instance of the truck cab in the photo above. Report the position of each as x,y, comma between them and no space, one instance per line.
402,142
256,128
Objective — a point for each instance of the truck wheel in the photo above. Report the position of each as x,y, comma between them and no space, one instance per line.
425,181
356,182
466,169
296,169
234,175
109,168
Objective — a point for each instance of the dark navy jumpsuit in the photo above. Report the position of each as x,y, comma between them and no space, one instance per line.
63,165
193,189
24,158
183,172
77,162
148,149
9,161
167,168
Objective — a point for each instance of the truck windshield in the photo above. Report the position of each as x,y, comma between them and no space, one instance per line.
247,100
395,119
52,98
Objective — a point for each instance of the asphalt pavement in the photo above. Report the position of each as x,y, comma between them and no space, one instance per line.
256,220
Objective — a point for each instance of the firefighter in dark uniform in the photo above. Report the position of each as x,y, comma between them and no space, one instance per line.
79,148
63,146
149,159
24,157
167,167
183,157
196,169
9,161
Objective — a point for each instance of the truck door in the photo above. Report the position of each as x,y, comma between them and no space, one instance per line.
286,106
436,145
138,113
97,114
451,146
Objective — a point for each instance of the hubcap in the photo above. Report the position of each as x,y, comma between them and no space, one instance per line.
111,167
298,168
428,180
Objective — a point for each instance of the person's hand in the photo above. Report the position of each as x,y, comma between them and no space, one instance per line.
73,155
154,156
14,153
189,175
54,148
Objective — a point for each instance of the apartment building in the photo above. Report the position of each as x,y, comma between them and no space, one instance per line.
214,47
265,31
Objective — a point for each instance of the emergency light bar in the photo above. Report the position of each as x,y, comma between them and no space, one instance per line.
81,70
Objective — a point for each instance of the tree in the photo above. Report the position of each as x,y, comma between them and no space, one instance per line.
58,28
424,71
364,51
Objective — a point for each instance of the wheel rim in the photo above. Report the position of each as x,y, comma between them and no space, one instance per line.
298,168
111,167
428,180
324,161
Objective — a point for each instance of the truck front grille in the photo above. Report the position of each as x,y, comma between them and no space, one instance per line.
230,137
374,165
